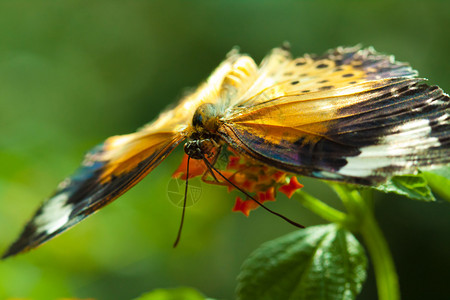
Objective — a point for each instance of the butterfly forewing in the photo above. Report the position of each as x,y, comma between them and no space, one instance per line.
107,172
351,115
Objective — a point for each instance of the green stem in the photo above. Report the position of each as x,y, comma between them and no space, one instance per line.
350,198
385,274
323,210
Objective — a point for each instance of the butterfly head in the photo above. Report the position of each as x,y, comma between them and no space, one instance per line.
203,139
198,148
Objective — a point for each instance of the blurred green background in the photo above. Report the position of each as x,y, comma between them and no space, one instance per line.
75,72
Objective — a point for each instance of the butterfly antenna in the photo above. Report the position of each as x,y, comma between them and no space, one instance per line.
247,194
210,170
184,204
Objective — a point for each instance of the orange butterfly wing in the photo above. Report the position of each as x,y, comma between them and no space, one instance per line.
351,115
107,171
112,168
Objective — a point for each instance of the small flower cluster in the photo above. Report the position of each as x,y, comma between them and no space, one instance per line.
259,180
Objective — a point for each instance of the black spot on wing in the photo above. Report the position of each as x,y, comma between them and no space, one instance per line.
326,88
375,65
322,66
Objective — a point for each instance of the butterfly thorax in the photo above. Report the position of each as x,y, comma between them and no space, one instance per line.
203,138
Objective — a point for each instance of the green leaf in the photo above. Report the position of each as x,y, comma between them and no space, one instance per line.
181,293
439,181
412,186
320,262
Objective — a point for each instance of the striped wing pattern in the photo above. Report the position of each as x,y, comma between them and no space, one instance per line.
100,180
350,115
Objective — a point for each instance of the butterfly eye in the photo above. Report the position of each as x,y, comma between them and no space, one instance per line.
197,120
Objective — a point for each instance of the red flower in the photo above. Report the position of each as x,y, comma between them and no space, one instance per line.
252,177
290,188
244,206
268,195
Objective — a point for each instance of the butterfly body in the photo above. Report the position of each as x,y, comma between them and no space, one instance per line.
351,115
202,134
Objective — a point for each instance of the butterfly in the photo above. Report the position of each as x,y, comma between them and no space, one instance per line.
350,115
